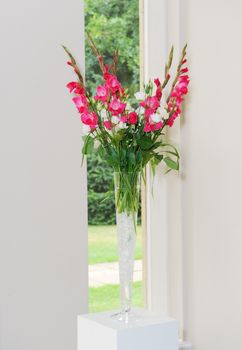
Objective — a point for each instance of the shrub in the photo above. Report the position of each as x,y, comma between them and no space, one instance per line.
101,209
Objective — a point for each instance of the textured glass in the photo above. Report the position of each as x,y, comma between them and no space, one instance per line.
126,236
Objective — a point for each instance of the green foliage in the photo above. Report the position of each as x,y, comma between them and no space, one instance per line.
113,24
101,209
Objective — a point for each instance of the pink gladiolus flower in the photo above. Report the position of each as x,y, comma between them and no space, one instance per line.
158,92
106,73
149,111
90,119
132,118
177,94
81,103
170,121
157,82
72,85
75,87
148,127
101,94
150,102
116,106
108,124
113,83
124,119
158,126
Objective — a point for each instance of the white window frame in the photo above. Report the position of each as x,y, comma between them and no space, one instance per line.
160,27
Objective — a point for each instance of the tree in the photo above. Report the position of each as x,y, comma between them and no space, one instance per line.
112,24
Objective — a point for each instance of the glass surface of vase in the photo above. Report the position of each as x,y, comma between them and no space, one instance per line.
127,190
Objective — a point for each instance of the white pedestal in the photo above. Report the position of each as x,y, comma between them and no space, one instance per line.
150,332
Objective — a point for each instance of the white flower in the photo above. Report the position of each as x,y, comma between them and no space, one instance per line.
139,95
140,110
156,118
163,112
128,107
104,114
115,119
120,126
85,129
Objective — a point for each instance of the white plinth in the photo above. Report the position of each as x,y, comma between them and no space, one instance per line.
149,332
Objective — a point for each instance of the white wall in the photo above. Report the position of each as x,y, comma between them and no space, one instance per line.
212,167
43,246
195,227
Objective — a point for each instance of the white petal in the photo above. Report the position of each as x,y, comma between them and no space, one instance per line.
156,118
139,95
121,125
140,110
128,107
115,120
163,112
104,114
165,115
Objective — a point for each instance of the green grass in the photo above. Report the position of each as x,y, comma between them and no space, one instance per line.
102,242
107,297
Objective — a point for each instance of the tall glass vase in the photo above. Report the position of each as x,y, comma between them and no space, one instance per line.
127,189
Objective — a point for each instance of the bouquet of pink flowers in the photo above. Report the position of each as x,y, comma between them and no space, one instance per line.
129,133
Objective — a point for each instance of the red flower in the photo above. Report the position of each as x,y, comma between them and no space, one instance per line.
148,127
171,120
177,94
150,102
158,126
101,94
108,124
81,103
149,111
113,83
124,119
158,93
116,106
157,82
90,119
72,85
75,87
132,117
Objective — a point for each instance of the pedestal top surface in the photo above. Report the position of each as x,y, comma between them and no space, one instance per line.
143,318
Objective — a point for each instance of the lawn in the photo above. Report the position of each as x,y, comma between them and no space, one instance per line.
107,297
102,243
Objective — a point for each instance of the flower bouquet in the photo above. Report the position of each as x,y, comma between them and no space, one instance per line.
128,133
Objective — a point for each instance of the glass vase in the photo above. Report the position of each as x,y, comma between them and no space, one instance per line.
127,190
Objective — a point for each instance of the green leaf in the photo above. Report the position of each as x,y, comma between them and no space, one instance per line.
145,143
156,145
171,163
88,145
132,158
157,158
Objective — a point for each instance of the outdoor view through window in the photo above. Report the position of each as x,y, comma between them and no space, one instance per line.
112,24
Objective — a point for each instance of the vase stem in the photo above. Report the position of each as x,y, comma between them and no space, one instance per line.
127,187
126,249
